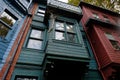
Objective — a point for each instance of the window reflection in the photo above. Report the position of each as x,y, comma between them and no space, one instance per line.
35,39
59,36
69,28
59,26
36,34
35,44
7,19
3,31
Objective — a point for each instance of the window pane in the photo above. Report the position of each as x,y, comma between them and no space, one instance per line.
70,28
115,44
7,19
3,31
109,36
71,37
59,36
41,11
40,14
36,34
34,44
59,26
95,15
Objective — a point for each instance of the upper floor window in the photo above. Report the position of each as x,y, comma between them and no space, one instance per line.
65,31
106,19
95,15
7,20
41,12
113,42
35,39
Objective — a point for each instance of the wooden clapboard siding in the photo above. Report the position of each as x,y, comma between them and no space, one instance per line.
69,50
30,56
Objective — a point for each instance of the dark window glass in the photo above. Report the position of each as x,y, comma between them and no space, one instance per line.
3,31
113,42
115,45
106,18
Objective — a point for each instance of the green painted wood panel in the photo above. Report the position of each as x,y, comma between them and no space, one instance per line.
66,49
27,72
38,18
93,75
30,56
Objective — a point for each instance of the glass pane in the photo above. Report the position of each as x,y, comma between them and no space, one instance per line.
95,15
36,34
59,36
3,31
59,26
115,44
7,19
40,14
70,28
41,11
34,44
109,36
71,37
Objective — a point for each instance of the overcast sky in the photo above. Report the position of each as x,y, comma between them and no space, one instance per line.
64,1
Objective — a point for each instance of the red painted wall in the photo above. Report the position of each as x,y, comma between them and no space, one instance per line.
104,52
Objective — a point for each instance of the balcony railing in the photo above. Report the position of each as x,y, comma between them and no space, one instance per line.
64,6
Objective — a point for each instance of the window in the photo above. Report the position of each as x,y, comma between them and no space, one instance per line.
95,15
25,78
65,31
35,39
106,19
41,12
7,20
113,42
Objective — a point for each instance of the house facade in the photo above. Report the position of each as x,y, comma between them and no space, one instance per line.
103,30
46,41
12,17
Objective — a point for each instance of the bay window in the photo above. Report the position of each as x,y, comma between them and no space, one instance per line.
65,31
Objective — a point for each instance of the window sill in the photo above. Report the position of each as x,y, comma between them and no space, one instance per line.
32,50
66,42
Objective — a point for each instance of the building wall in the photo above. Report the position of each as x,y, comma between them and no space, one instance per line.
28,62
7,43
96,26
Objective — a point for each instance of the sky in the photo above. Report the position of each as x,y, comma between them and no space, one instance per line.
63,1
